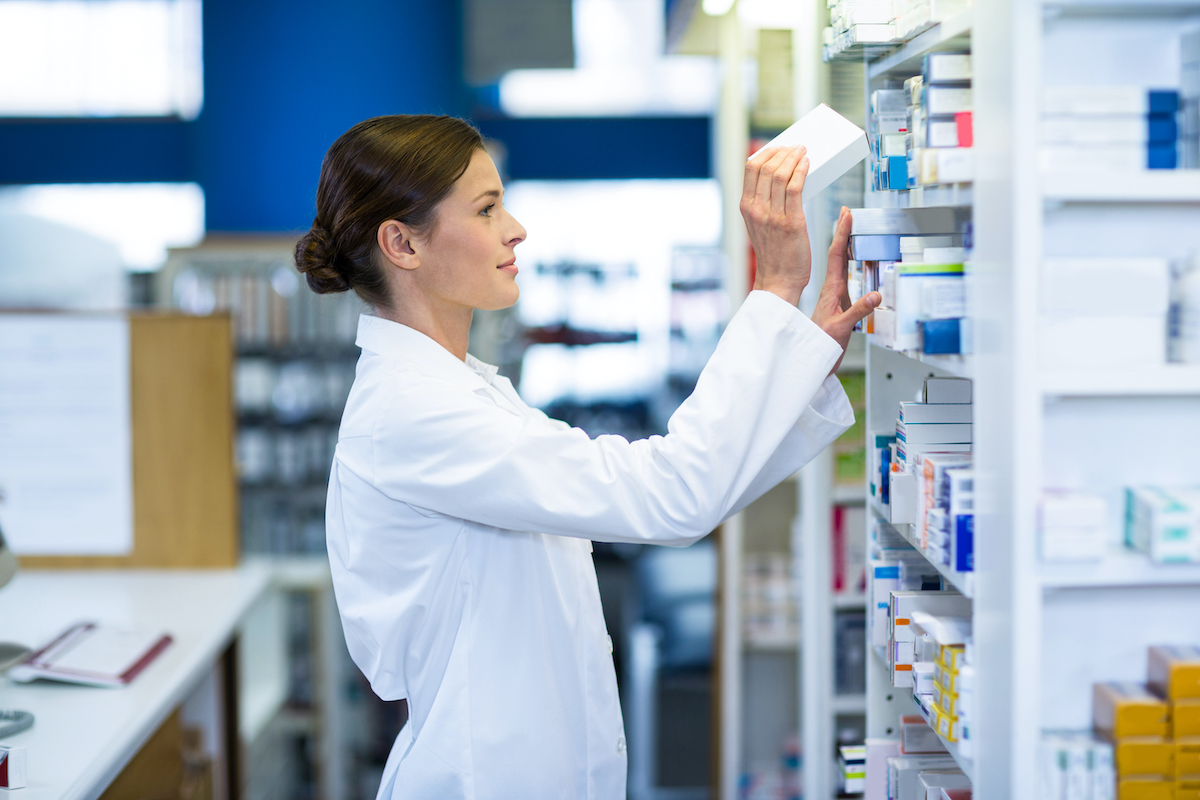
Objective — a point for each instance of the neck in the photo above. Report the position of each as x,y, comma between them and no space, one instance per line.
450,327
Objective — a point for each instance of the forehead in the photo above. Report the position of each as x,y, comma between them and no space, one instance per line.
481,176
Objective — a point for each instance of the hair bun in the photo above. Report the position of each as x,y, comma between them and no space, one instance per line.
317,257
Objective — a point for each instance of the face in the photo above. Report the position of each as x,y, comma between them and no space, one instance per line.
468,259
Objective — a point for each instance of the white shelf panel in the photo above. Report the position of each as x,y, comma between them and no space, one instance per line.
1144,186
1121,567
1168,379
948,195
952,34
964,582
967,765
849,704
957,365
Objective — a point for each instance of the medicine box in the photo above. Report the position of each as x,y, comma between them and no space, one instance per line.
1073,526
916,737
1187,758
1185,718
933,781
1164,522
14,767
1173,672
935,412
835,144
904,772
1145,787
902,221
947,390
933,433
1145,755
1121,709
1109,99
946,68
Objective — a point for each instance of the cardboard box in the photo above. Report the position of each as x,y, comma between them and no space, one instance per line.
1187,758
947,390
1145,755
1173,671
1185,717
1145,787
835,145
1128,709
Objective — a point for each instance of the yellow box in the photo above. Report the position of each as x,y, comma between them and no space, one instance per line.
1128,709
1185,717
1145,755
1173,671
947,678
946,700
1187,790
1187,758
951,656
1145,787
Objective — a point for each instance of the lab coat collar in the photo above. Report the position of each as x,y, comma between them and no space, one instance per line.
393,340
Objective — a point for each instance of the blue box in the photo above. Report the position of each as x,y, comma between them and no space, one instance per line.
941,336
1162,155
876,247
1161,128
897,172
964,542
1163,101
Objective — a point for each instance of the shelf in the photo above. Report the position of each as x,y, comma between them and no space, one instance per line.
952,34
788,645
1123,8
949,195
964,582
1145,186
297,572
959,366
1168,379
849,704
1121,567
966,764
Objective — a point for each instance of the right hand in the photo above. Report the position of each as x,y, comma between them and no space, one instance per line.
774,215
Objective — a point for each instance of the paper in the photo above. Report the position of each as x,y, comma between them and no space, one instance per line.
66,473
835,144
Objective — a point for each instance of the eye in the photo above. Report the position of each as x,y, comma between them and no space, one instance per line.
487,211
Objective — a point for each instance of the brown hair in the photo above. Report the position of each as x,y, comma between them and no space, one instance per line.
396,167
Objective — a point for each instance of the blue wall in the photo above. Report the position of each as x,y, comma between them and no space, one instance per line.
282,80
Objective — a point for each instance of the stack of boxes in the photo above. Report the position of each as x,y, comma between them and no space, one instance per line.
940,122
916,16
1109,128
1189,46
907,647
1104,312
943,688
1154,728
868,25
1074,765
1072,525
922,768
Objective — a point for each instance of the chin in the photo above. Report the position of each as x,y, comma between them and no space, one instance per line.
501,300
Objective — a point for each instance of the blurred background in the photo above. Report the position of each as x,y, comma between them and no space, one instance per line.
164,154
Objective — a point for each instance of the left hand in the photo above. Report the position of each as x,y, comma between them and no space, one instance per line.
833,312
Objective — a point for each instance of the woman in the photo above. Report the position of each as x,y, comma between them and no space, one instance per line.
460,520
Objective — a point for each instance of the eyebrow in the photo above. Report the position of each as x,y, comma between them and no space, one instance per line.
489,192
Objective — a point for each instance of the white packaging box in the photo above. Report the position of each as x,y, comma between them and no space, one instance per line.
933,781
935,412
955,164
903,774
878,753
835,144
947,390
856,12
1106,286
941,133
947,67
885,327
912,248
915,297
903,221
903,496
1100,342
1103,129
944,255
1096,100
946,100
1073,526
934,432
1164,522
15,765
1093,158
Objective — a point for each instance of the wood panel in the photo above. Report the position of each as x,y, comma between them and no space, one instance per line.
184,487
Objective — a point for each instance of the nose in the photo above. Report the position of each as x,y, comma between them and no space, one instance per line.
516,232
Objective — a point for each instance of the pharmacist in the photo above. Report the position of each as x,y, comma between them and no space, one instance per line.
459,519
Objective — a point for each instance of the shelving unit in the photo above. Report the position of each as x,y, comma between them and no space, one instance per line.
1044,632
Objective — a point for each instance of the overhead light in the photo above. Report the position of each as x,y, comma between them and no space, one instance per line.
717,8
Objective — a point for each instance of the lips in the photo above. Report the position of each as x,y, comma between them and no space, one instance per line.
509,266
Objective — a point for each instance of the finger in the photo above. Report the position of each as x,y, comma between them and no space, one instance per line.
753,167
795,186
782,178
766,176
839,263
865,305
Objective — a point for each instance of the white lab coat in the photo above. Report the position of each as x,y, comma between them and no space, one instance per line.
459,521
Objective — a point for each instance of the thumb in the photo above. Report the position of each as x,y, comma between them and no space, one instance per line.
865,305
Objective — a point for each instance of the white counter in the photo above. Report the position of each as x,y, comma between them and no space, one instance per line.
84,736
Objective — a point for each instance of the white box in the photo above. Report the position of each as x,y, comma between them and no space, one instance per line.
1098,342
1073,526
947,390
1106,129
933,781
1093,158
955,165
1164,522
14,765
835,145
1106,286
1105,99
944,67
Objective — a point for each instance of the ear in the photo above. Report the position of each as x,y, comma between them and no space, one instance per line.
396,242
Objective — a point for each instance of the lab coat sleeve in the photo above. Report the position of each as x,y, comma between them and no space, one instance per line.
826,418
457,453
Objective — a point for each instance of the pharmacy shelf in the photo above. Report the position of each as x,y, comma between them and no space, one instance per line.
848,601
959,366
1167,379
1122,8
1120,567
966,764
849,704
964,582
1145,186
953,34
948,195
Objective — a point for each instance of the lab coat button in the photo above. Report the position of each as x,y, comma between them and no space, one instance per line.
621,745
610,647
